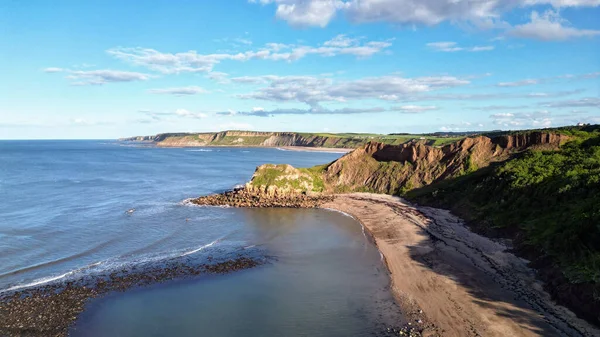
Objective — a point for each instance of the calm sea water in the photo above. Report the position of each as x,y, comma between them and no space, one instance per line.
63,215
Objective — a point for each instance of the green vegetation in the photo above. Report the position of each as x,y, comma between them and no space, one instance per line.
358,139
239,140
286,177
549,203
549,200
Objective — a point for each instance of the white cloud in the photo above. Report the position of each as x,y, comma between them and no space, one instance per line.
415,108
53,70
503,115
549,26
260,112
518,83
482,13
449,47
99,77
191,90
341,41
191,61
591,102
534,119
218,76
462,126
170,115
488,96
187,113
243,41
499,107
307,13
314,90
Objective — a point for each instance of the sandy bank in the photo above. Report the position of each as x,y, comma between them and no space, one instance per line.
465,284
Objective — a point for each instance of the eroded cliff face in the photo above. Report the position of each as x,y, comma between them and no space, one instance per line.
260,139
390,169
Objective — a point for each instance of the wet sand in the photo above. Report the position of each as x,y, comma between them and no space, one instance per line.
457,282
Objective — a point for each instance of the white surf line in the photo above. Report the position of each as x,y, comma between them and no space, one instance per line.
49,279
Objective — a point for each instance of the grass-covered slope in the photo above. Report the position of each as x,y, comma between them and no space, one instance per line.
288,178
549,202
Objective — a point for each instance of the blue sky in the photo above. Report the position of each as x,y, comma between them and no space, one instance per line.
108,69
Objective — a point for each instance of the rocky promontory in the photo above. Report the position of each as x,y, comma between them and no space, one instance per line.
262,198
273,186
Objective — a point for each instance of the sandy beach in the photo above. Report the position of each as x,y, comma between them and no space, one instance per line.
458,282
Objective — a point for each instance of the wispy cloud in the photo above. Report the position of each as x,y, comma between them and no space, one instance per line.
530,119
591,102
450,47
549,26
415,108
499,107
218,76
53,70
520,83
192,61
260,112
183,91
484,14
314,90
99,77
170,115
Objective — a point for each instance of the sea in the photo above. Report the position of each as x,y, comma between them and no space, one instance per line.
71,209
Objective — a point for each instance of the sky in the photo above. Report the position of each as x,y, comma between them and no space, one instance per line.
109,69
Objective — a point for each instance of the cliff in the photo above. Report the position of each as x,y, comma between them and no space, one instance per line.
540,189
392,169
548,203
281,139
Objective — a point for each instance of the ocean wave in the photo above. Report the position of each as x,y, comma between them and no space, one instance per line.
58,261
200,248
118,263
188,202
200,150
50,279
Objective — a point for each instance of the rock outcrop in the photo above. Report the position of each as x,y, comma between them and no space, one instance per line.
258,198
273,186
390,169
275,139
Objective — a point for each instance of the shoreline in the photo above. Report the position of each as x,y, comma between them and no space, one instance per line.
453,281
52,309
447,280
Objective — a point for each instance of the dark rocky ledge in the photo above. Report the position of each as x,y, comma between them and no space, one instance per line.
250,196
51,309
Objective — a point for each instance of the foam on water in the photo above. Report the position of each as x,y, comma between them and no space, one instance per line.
107,266
200,248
